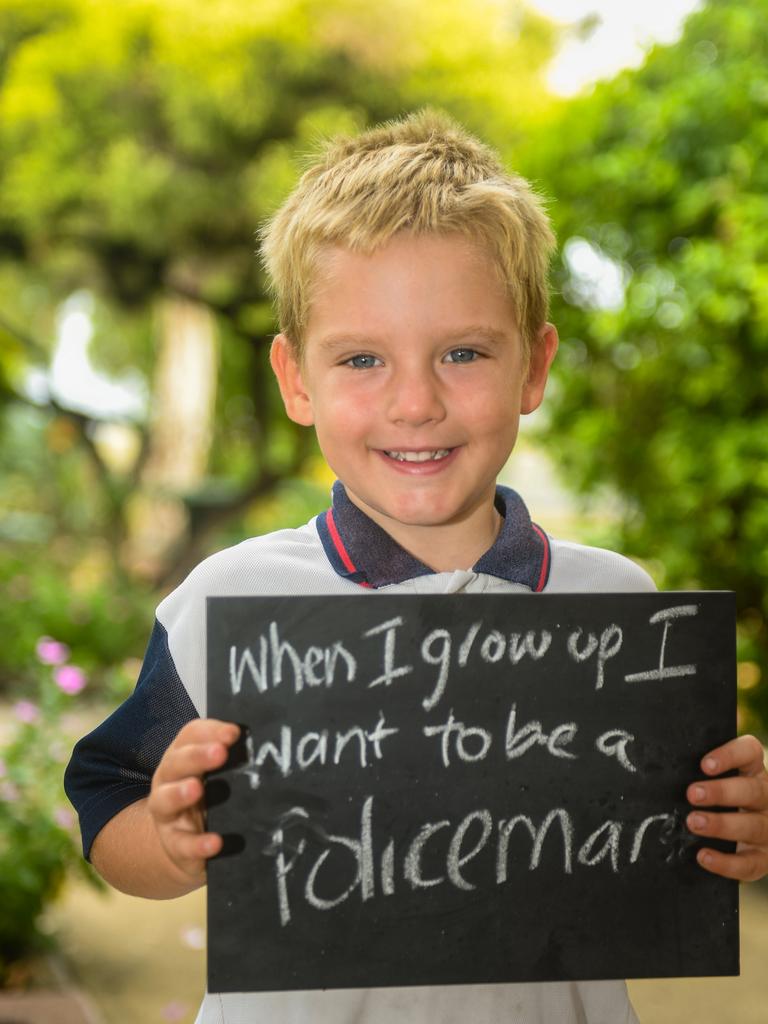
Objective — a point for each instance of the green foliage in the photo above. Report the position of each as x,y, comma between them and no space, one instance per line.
102,623
141,136
664,172
58,576
143,142
38,835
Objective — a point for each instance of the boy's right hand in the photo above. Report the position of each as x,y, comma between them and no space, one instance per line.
176,798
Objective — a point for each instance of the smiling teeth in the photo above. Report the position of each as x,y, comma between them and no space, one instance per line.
438,453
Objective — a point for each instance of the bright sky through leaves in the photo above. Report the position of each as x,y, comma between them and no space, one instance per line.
625,30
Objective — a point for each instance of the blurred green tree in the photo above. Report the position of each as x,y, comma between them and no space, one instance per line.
142,143
660,179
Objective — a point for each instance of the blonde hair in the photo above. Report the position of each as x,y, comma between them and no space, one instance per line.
423,174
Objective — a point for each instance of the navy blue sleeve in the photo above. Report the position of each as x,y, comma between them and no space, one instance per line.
113,766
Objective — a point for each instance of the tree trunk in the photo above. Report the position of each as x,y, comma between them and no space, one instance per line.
181,428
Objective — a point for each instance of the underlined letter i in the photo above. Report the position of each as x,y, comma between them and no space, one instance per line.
390,672
666,615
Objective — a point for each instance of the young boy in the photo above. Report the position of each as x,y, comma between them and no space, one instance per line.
411,278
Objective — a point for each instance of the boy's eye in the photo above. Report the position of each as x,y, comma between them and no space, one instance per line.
362,362
462,355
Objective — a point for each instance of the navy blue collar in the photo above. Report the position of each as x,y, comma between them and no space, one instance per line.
362,552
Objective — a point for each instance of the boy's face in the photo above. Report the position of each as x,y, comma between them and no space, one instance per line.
414,379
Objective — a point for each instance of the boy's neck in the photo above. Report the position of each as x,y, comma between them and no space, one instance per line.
446,547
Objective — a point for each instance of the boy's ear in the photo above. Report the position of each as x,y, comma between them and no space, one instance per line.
542,353
285,364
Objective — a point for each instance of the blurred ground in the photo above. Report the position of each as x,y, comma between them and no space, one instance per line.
137,961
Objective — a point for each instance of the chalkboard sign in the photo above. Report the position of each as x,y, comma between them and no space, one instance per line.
456,789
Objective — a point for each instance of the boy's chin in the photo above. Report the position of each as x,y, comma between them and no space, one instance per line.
423,514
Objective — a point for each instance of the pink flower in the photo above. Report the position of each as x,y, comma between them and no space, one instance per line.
26,711
69,678
175,1011
51,652
193,936
64,817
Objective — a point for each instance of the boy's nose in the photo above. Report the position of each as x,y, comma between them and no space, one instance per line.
416,398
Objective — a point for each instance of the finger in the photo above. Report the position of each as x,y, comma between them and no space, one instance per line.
745,866
744,791
742,828
745,754
190,849
168,800
206,730
178,762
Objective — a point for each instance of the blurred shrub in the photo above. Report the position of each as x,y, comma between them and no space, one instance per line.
661,384
39,843
103,620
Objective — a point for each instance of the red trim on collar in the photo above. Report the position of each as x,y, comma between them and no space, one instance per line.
545,561
342,552
349,565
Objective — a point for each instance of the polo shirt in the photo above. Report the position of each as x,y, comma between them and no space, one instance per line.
341,551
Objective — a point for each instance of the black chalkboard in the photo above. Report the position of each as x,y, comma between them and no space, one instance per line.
456,789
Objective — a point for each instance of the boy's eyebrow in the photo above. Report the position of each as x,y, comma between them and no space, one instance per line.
483,331
345,341
475,331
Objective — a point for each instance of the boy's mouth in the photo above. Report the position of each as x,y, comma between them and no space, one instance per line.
431,455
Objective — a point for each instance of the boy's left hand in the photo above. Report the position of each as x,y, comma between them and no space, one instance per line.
748,824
